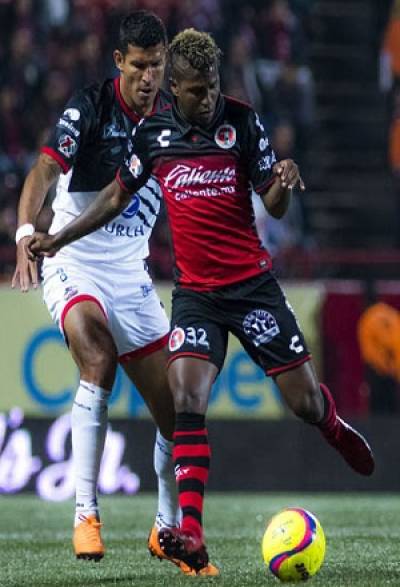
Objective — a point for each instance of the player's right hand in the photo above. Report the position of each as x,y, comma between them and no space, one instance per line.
26,271
41,244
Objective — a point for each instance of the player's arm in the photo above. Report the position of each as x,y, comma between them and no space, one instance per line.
38,182
110,202
272,180
277,197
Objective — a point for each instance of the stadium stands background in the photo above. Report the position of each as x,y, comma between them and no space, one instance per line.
310,67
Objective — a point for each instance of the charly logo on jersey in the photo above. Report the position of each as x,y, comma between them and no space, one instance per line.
225,136
176,339
260,326
133,208
163,138
184,175
67,145
135,166
295,344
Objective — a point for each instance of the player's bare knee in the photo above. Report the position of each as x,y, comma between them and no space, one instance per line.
99,367
190,400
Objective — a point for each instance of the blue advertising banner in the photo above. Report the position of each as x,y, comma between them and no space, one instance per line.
39,375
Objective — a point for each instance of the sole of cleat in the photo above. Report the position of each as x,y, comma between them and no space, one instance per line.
90,557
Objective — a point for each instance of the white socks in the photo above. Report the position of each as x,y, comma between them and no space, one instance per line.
167,490
89,428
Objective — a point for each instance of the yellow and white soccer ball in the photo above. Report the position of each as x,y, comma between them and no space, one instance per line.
293,546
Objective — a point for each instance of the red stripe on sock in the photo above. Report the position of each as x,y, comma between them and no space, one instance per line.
191,499
202,432
191,450
191,525
189,472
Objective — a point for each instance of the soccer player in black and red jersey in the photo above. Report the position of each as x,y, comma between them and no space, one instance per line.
102,323
208,152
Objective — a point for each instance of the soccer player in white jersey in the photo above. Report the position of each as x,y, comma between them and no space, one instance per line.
98,289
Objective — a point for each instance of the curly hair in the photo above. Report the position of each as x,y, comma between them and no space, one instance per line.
198,48
142,29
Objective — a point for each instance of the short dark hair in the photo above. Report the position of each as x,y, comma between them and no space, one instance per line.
143,29
198,48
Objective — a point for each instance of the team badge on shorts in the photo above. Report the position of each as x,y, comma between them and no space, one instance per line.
225,136
260,326
176,339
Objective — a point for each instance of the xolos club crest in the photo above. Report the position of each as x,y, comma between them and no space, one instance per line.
225,136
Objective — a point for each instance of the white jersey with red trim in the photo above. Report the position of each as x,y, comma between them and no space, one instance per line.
89,142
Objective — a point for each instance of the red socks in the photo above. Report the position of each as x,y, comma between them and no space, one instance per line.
191,456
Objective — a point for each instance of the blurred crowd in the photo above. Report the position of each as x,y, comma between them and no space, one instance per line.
52,47
390,84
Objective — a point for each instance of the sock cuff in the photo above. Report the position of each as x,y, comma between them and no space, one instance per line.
97,391
190,421
163,444
329,404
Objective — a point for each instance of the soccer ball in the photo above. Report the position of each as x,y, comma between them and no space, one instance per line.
293,546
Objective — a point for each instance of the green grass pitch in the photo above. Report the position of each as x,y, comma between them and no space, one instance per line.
362,531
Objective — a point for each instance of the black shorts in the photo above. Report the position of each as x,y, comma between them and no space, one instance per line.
256,311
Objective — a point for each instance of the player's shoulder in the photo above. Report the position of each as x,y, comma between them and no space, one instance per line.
97,95
237,109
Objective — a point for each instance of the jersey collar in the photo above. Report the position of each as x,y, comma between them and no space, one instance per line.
185,126
134,116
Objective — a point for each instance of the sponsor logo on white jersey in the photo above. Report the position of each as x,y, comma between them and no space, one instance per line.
184,175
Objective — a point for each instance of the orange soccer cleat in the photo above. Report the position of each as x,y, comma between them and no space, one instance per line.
205,569
87,541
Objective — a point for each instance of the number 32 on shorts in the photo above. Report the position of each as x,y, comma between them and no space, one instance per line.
193,336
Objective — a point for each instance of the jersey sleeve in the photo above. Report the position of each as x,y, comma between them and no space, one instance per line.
72,129
260,154
136,167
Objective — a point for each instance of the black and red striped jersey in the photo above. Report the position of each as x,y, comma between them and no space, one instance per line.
206,176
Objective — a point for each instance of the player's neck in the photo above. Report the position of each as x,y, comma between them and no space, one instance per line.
129,101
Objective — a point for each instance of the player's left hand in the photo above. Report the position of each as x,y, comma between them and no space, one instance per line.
289,174
41,244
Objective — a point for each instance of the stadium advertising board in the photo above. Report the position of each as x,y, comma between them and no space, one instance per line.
40,377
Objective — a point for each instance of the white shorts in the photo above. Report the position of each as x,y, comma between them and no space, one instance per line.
125,294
